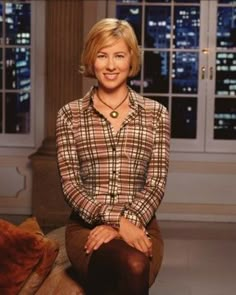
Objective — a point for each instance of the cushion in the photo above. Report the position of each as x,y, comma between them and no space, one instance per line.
26,257
62,279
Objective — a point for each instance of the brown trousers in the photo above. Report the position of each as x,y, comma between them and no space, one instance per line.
76,236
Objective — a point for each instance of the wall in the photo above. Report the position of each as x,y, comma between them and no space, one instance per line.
200,190
199,187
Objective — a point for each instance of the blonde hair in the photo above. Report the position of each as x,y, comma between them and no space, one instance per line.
103,34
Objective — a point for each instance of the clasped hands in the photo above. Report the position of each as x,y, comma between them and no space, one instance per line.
131,234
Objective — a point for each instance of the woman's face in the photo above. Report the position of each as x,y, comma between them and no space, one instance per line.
112,65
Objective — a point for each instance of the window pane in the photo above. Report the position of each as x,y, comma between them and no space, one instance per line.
186,26
17,68
225,118
226,27
157,26
225,73
133,14
17,23
156,72
185,72
184,117
17,113
0,112
164,100
135,83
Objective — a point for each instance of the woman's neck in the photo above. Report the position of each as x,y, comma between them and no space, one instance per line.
112,96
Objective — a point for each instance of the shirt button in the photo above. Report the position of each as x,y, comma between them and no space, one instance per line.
114,171
112,195
114,149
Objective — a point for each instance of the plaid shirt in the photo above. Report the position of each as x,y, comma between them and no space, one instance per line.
106,175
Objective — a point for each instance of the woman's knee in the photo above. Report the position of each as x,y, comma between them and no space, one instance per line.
137,263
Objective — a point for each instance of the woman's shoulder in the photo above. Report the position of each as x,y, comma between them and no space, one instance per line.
76,105
156,110
66,112
72,104
153,103
150,104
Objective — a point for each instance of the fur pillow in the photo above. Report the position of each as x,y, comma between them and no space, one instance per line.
26,257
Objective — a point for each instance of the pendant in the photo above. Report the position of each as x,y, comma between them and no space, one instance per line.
114,114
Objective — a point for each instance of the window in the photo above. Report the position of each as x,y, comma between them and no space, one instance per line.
189,65
18,51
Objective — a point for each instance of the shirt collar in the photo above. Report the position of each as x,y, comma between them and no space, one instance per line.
135,99
87,100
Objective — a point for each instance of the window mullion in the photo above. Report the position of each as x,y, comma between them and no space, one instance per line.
3,46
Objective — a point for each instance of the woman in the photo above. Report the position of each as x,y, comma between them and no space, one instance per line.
113,155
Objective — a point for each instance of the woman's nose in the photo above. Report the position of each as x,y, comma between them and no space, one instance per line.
110,63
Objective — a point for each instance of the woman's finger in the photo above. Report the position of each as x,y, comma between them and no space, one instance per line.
99,236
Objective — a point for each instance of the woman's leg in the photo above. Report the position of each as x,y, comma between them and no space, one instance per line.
77,235
117,268
157,250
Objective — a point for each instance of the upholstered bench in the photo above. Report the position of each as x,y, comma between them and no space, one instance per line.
62,279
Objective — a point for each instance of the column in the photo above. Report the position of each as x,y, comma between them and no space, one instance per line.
64,34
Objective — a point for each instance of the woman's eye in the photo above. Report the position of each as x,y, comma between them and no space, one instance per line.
101,56
120,56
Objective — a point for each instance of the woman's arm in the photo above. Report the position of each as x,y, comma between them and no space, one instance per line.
76,196
146,202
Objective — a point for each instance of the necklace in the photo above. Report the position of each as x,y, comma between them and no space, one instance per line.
113,114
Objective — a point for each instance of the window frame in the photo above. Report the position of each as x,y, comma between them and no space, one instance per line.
204,144
24,144
215,145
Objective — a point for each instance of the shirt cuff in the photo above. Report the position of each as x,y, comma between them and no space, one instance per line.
111,215
132,218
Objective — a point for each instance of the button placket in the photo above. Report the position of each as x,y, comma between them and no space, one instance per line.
115,187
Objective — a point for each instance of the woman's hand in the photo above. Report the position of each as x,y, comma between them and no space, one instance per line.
135,237
99,235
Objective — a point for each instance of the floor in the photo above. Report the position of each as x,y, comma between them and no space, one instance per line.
200,259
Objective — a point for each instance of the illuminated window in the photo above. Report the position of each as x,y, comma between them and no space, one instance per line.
184,71
17,72
15,69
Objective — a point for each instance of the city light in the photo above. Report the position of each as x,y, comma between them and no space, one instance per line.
16,69
174,31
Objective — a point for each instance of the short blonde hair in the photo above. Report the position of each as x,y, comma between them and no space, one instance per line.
103,34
